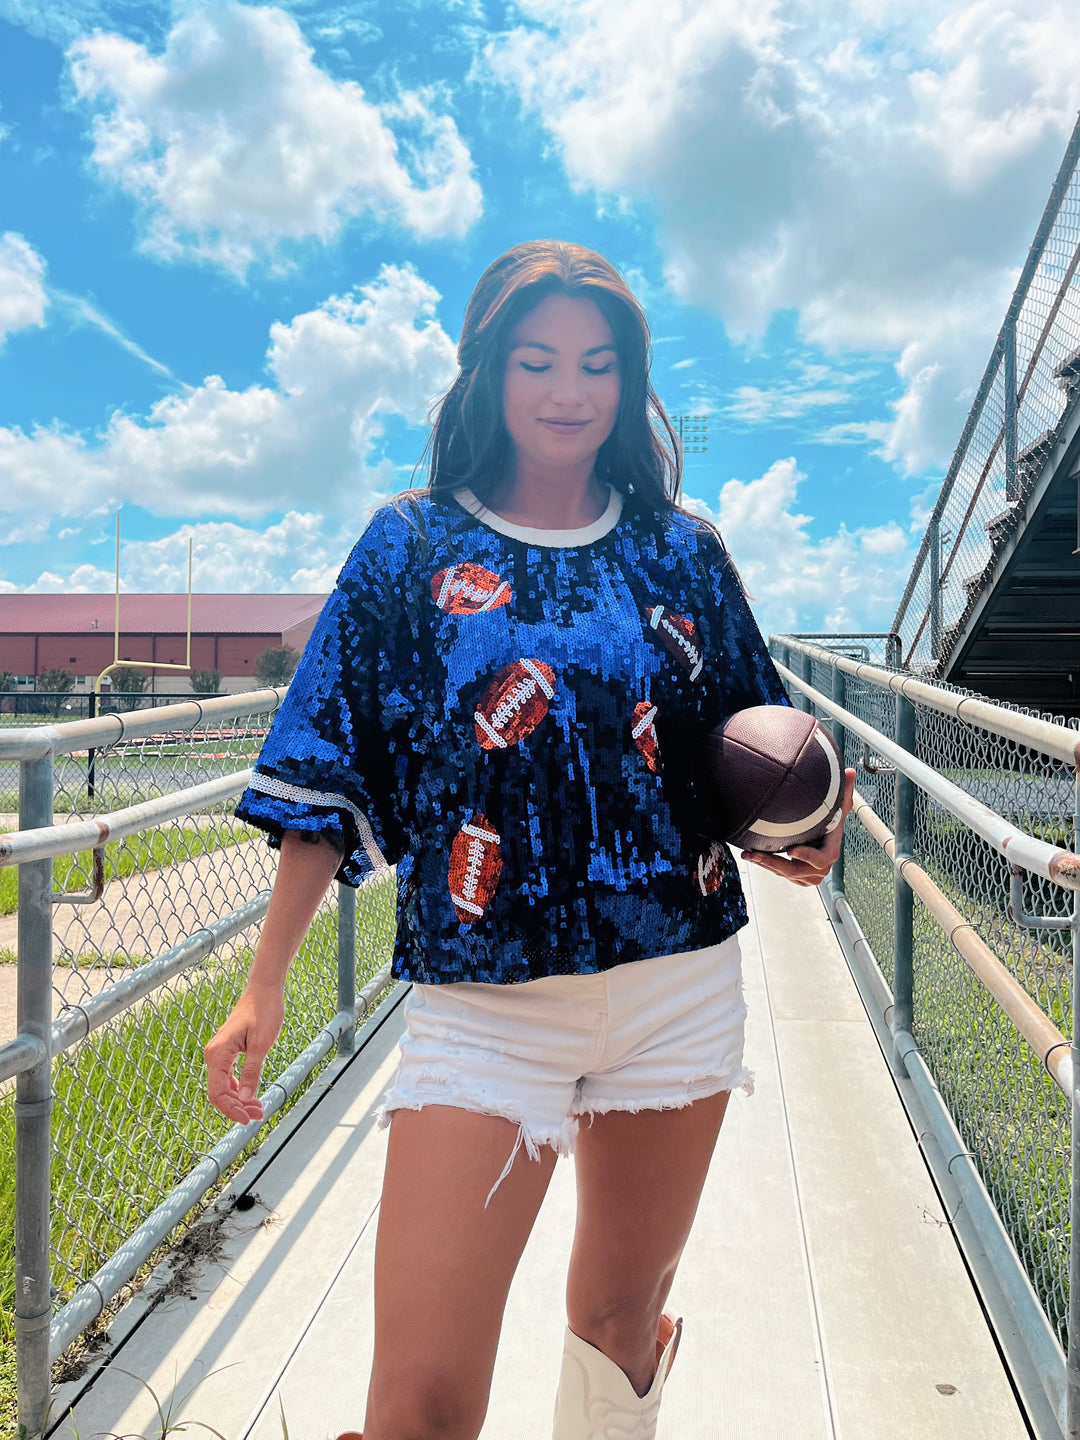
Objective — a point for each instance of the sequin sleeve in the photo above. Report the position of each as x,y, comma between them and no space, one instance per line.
325,762
742,671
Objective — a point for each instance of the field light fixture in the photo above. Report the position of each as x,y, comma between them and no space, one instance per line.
693,433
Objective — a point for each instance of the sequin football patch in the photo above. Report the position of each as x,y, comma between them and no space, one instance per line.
643,731
679,636
711,865
514,703
475,867
467,589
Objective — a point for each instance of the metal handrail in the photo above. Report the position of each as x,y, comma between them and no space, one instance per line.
1049,861
1025,1323
1058,741
37,741
28,1058
1045,1039
49,841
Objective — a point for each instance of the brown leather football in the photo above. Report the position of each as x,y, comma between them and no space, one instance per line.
776,778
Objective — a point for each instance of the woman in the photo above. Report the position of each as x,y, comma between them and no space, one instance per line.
506,696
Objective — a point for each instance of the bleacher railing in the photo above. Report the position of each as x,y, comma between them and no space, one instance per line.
956,894
1014,436
138,897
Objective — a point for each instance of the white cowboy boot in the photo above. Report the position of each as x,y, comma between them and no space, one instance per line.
597,1402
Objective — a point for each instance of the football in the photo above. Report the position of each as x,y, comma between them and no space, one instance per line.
678,635
466,589
775,777
514,703
643,731
475,867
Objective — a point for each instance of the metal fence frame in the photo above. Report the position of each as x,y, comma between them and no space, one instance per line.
1009,453
41,1334
1042,1360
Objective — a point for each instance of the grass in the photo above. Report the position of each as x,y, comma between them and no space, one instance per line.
150,850
1008,1110
131,1117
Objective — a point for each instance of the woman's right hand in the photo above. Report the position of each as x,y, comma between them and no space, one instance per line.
250,1030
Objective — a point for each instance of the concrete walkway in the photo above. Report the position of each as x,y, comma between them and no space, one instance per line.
823,1292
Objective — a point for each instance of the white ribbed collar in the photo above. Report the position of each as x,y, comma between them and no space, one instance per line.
583,535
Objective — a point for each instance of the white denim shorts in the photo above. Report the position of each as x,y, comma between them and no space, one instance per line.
651,1035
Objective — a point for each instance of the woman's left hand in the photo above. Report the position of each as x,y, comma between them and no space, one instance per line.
809,864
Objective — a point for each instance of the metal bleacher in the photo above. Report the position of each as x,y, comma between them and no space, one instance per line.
993,600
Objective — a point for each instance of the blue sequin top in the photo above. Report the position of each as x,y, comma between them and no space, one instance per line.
514,718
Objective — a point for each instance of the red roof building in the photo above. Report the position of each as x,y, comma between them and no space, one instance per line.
75,632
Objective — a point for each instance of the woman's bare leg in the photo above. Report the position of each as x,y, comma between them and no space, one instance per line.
443,1267
639,1180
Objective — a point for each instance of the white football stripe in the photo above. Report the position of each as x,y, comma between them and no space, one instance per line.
493,596
538,675
479,834
467,904
796,827
644,723
482,720
447,587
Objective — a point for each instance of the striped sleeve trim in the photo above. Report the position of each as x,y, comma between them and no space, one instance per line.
281,790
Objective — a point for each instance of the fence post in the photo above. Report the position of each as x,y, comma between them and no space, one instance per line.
804,668
91,754
903,899
935,591
1012,481
1072,1364
33,1106
839,696
346,963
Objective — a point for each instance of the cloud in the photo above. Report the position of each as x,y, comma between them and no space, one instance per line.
23,298
757,406
298,554
309,436
876,169
846,581
234,143
85,312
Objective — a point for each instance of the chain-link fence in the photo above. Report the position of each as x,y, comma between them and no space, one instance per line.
1012,1116
1023,404
137,946
34,707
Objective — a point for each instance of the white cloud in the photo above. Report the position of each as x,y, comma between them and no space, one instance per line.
299,554
846,581
757,406
310,436
85,312
877,169
234,142
23,299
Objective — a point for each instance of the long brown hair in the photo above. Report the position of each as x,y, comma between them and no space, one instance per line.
469,443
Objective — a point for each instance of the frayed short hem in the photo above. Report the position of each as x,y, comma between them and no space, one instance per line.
559,1138
699,1089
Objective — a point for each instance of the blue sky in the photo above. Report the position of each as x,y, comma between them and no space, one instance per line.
236,243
